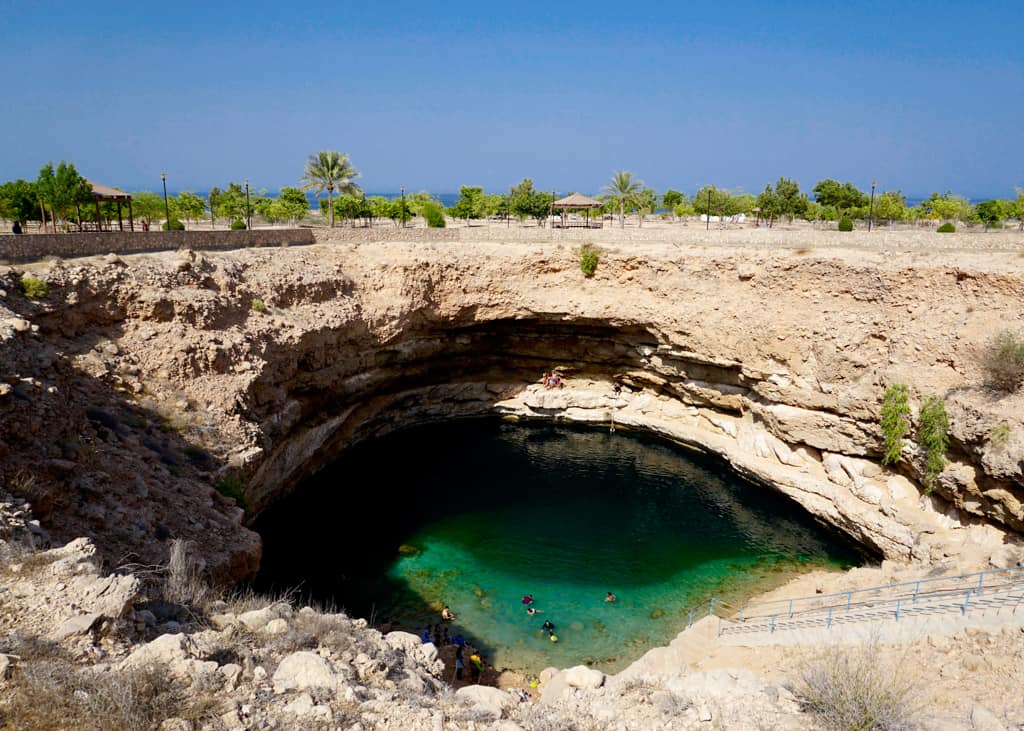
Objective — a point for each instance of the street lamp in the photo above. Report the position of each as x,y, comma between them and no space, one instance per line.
167,208
871,208
402,188
248,210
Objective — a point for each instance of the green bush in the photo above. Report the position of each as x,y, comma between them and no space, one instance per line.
238,225
1003,361
433,213
933,436
258,306
999,435
32,287
946,228
895,421
845,224
231,486
588,259
173,225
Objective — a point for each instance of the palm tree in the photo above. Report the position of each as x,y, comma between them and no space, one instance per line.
622,186
331,171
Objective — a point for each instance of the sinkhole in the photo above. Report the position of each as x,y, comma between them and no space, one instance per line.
476,514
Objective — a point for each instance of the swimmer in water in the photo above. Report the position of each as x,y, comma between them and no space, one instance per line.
528,599
609,597
548,627
531,611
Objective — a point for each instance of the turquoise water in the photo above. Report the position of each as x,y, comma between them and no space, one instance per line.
476,514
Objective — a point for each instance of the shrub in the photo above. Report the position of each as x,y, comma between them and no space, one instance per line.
999,435
231,486
258,306
238,225
183,581
946,228
933,436
845,224
1003,361
173,225
848,689
895,421
32,287
433,213
588,259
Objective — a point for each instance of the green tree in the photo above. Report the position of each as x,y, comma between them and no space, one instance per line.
644,202
331,171
713,201
232,203
622,187
791,201
946,207
190,206
148,206
933,436
841,196
528,202
992,212
293,203
470,205
895,421
672,199
19,201
1018,209
63,189
770,205
891,206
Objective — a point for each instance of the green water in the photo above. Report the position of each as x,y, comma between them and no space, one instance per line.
477,514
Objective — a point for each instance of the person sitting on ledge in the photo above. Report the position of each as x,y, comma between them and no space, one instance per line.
447,615
555,381
544,378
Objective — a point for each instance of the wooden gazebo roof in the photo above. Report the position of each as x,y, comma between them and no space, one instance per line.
105,193
577,200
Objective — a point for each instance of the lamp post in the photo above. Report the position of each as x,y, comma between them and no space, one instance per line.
402,188
248,210
167,208
708,226
871,208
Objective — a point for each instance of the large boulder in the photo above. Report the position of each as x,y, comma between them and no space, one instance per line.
164,650
583,677
304,670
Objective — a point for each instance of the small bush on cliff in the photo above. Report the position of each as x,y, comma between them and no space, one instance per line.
231,486
946,228
258,306
32,287
183,581
433,213
895,421
238,225
1003,361
588,259
173,225
849,690
845,224
933,436
999,436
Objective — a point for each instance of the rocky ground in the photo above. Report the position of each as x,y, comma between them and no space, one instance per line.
152,400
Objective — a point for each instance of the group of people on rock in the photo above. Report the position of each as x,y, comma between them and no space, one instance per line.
552,380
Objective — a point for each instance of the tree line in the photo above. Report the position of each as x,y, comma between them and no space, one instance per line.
61,195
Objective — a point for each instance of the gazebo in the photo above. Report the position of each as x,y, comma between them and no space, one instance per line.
105,194
576,202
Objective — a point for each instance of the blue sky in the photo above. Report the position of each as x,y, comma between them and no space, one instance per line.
919,96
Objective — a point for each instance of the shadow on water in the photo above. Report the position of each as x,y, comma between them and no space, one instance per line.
477,513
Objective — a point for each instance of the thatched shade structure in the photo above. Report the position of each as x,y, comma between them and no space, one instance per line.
576,202
105,194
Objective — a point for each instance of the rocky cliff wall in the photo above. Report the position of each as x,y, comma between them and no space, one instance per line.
268,363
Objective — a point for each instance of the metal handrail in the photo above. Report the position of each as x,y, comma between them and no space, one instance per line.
875,603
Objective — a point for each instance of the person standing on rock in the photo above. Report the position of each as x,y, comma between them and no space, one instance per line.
476,666
459,663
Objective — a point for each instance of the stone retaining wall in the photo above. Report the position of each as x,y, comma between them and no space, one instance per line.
360,235
27,247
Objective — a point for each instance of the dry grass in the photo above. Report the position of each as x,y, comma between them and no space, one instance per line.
184,583
849,689
52,695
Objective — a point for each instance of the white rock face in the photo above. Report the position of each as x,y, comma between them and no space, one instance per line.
583,677
303,670
403,640
164,650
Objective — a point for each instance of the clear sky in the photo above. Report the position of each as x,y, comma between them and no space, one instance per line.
918,95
